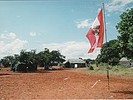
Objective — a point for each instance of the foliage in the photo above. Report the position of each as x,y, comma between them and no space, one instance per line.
91,68
7,61
110,53
88,61
47,58
27,56
44,58
57,57
115,70
25,61
125,29
113,50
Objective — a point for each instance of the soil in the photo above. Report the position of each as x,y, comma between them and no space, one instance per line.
63,84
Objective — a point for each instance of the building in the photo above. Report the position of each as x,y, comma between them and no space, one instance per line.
75,63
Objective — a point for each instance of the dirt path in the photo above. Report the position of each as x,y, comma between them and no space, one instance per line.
63,84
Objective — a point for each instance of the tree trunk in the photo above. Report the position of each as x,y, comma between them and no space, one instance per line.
46,67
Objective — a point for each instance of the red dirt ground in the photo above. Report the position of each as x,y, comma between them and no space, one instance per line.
63,84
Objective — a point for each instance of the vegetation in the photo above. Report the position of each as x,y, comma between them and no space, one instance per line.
44,58
125,29
114,50
115,70
110,53
6,61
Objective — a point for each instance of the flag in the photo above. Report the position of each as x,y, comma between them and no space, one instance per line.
96,33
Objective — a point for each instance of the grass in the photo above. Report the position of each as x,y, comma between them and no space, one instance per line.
115,70
122,70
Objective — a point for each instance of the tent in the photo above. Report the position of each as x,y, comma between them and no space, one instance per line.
125,62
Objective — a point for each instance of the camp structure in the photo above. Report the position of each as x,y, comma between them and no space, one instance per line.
74,63
23,67
125,62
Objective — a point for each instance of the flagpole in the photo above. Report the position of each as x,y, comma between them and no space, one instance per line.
106,42
105,24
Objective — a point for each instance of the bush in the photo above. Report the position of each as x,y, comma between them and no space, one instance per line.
91,68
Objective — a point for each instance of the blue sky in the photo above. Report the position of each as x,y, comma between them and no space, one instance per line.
55,24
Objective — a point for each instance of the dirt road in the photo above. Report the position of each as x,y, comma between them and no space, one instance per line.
63,84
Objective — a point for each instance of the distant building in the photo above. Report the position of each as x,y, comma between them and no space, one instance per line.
125,62
75,63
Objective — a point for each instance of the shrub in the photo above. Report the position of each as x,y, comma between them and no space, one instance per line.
91,68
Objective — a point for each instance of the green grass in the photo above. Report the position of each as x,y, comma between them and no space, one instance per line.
115,70
122,70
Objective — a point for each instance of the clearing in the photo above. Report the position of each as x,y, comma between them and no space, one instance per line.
63,84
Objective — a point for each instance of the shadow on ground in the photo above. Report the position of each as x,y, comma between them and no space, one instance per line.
4,74
123,92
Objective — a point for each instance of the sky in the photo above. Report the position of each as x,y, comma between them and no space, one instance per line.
55,24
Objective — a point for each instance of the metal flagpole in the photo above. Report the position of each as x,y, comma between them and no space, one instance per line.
105,42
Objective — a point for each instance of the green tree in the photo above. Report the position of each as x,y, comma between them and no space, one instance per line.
47,58
7,61
27,56
57,57
125,29
110,53
43,58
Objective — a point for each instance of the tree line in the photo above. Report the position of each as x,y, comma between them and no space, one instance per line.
44,58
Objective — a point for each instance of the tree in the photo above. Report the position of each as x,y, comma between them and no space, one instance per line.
125,29
110,53
57,57
25,61
47,58
44,58
27,56
7,61
31,59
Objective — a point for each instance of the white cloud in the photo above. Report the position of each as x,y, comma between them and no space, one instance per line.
84,23
33,34
12,47
73,49
117,5
8,36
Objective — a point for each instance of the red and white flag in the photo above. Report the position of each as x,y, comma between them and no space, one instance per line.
96,32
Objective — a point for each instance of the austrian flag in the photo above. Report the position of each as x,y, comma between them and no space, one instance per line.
96,32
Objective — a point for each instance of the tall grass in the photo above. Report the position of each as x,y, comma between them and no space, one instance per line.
115,70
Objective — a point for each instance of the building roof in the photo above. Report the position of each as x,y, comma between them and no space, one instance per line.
76,61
